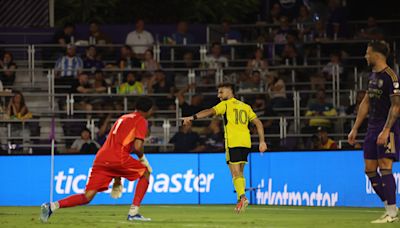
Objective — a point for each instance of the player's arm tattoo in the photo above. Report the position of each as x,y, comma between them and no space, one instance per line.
393,111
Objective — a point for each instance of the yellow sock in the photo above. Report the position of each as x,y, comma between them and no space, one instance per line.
239,183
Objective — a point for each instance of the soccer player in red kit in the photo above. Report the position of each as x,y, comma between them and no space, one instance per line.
114,161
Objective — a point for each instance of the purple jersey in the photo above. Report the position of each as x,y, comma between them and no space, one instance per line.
382,85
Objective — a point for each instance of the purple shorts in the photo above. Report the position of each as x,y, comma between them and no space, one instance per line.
372,151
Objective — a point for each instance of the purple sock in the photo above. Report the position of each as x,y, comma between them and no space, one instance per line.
376,182
389,186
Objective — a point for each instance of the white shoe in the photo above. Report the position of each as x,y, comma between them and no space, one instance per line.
116,191
138,217
386,219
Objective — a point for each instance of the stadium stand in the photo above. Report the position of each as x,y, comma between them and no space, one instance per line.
277,67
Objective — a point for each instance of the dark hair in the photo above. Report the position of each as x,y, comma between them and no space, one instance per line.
215,44
227,85
15,93
380,46
8,53
159,71
86,129
127,47
151,51
69,24
144,104
91,46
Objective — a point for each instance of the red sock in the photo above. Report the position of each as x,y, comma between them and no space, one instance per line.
141,189
74,200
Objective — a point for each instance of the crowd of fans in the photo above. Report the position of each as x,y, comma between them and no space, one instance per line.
135,71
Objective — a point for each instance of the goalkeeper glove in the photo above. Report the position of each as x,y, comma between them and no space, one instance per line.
116,191
144,161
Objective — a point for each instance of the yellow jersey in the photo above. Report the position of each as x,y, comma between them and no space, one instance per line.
236,117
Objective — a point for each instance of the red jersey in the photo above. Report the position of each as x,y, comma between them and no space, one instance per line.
116,150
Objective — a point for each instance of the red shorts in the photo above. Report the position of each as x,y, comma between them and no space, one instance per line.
102,173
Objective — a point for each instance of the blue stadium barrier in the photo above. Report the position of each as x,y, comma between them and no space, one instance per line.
334,178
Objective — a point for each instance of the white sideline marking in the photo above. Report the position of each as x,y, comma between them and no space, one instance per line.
278,209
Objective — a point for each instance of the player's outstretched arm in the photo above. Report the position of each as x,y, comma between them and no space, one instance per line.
361,115
260,131
200,115
391,119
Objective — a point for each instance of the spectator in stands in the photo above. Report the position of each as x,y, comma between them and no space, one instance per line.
215,60
289,55
185,140
319,80
335,60
128,59
253,83
17,108
84,144
304,20
276,89
372,31
66,36
7,67
104,129
160,84
325,142
280,34
99,86
274,14
337,20
318,110
92,61
214,138
352,110
318,31
96,34
132,85
149,63
196,102
229,35
182,35
188,61
140,40
82,86
69,65
257,63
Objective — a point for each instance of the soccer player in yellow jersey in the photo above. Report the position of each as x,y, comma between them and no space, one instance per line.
236,117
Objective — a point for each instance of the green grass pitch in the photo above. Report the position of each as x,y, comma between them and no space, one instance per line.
195,216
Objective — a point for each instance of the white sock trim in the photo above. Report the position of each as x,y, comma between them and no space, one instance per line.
392,210
54,206
134,210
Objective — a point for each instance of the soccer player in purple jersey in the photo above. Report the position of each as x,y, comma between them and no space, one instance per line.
382,142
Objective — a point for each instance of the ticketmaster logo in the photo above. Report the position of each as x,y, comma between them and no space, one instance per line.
68,183
370,190
285,197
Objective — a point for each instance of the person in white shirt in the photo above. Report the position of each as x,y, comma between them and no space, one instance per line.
216,60
140,39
